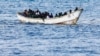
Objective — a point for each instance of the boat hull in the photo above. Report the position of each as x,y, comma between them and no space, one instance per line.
70,18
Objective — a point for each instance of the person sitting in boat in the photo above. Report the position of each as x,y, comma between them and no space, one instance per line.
42,15
76,9
33,14
51,15
70,11
46,14
37,12
60,14
56,15
30,12
65,13
25,13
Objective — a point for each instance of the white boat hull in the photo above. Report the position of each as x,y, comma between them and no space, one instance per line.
70,18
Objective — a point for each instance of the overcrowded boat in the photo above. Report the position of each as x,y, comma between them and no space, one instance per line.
30,16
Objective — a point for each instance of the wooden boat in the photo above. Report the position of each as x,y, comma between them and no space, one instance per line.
70,18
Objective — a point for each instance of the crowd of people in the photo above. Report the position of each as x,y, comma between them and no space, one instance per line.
43,15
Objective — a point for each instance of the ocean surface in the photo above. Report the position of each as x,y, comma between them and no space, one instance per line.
18,39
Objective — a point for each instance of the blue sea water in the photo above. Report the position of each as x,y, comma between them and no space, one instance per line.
17,39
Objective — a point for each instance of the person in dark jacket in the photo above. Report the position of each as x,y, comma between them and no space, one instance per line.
51,15
56,15
60,14
76,9
70,11
25,13
30,12
65,13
